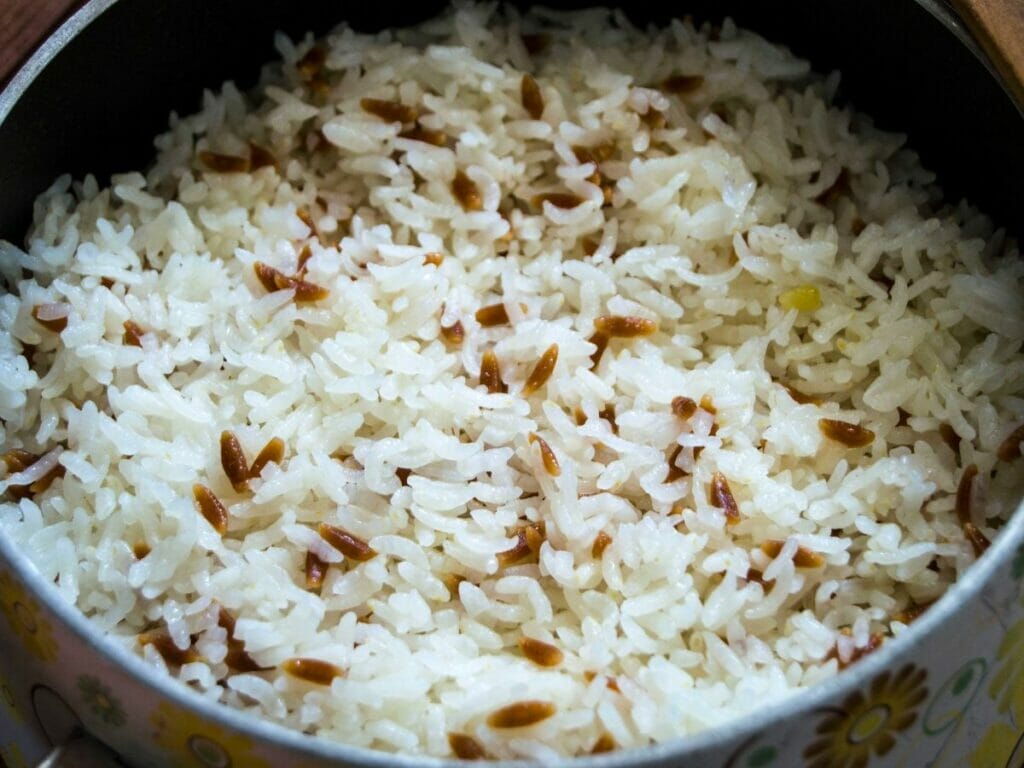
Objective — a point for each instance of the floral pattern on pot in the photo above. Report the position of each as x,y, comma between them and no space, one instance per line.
98,698
1002,745
26,621
194,742
868,723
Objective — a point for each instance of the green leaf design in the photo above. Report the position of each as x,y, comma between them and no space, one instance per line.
98,698
762,756
1017,569
963,680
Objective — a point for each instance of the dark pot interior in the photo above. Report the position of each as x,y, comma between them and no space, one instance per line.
98,104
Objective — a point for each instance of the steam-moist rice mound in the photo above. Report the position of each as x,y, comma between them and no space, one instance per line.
638,388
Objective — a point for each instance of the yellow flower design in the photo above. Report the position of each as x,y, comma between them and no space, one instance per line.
1008,686
23,615
1002,746
866,724
196,742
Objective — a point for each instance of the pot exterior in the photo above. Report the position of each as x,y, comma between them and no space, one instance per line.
954,699
949,695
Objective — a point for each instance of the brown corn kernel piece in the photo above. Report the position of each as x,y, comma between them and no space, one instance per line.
427,136
305,291
434,258
402,473
963,493
391,111
681,84
604,743
132,334
316,569
267,275
1009,449
564,200
490,373
755,575
306,218
803,558
950,437
540,653
674,472
140,549
466,192
312,62
600,340
619,326
18,459
547,455
534,533
518,551
707,404
683,407
52,316
721,497
850,435
304,256
165,646
454,333
542,371
610,682
260,157
601,542
913,611
492,315
466,747
232,459
521,714
219,163
654,119
800,398
596,155
529,94
107,282
312,670
979,541
237,657
873,644
451,582
211,508
272,453
579,416
274,280
535,42
349,545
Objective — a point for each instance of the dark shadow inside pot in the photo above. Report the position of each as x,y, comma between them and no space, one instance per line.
98,104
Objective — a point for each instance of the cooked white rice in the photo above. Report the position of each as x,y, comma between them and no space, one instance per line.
756,185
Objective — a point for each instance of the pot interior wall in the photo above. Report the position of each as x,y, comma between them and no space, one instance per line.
96,107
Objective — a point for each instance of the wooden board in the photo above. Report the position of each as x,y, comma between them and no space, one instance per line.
23,25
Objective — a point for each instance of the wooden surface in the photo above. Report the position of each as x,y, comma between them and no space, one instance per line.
998,26
23,25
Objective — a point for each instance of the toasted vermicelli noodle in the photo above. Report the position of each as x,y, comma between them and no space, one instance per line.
511,386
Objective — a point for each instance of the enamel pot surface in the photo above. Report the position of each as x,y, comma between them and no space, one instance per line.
947,692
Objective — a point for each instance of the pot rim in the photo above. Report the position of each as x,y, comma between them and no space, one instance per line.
742,731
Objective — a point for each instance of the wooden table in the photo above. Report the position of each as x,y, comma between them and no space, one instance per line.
23,25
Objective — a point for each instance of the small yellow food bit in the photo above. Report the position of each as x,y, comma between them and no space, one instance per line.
803,298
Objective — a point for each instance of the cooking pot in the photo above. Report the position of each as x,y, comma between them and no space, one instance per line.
947,692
